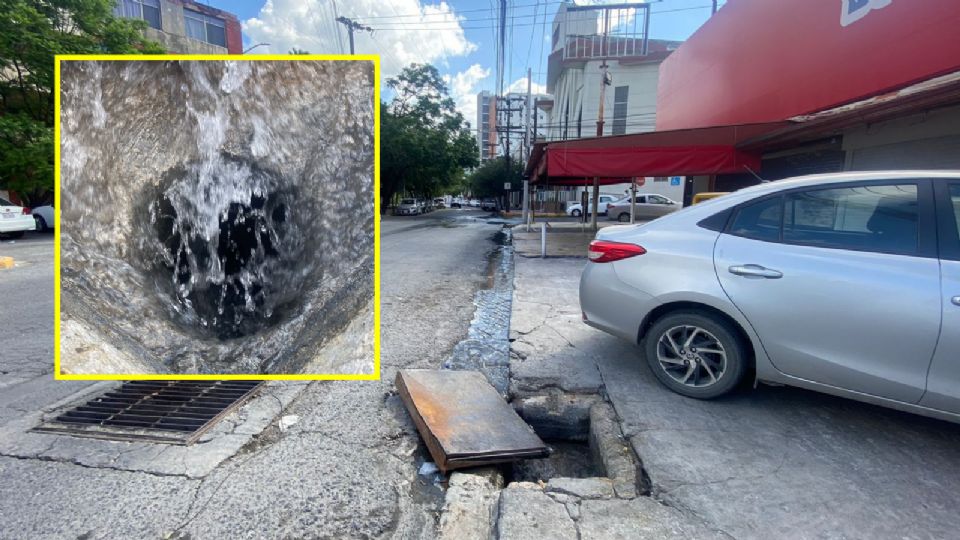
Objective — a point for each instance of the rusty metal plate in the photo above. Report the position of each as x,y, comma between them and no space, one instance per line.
464,420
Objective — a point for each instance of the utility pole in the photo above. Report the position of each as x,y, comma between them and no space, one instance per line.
529,140
351,26
604,81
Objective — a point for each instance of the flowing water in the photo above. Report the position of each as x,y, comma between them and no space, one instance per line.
216,217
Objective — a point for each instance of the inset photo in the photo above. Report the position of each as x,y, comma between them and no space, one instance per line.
217,218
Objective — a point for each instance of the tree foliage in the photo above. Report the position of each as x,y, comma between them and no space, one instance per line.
425,144
487,181
31,33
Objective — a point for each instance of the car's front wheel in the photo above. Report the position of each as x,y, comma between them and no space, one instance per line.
624,217
41,223
576,213
695,353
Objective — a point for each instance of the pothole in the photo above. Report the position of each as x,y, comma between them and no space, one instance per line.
568,459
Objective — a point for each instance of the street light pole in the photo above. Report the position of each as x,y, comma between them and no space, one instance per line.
252,47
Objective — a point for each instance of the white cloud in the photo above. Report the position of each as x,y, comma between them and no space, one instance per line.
311,25
464,88
520,85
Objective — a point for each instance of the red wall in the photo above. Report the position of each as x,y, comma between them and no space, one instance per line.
768,60
234,38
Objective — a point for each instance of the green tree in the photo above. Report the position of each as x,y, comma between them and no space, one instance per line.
487,181
31,33
425,144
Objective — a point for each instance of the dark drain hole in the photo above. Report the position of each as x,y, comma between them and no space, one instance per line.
245,251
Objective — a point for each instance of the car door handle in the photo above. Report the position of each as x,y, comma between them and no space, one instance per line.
755,271
956,300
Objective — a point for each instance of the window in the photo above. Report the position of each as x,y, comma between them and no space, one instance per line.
620,94
205,28
657,199
148,10
556,37
759,220
955,197
871,218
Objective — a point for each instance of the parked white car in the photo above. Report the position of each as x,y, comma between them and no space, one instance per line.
576,209
43,217
407,207
649,206
14,220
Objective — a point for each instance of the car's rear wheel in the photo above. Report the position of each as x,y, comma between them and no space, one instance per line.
576,213
624,217
696,354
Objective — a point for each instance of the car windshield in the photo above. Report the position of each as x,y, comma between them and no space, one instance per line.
407,201
4,202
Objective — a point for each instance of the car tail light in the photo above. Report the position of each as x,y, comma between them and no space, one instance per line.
601,251
26,211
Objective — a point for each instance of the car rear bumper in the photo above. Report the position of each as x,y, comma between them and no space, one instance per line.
611,305
18,223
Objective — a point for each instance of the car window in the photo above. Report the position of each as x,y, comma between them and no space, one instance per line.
657,199
759,220
4,202
869,218
955,197
407,201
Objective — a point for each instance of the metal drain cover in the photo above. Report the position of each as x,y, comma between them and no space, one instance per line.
173,412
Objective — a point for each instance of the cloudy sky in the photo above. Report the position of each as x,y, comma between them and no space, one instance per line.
457,36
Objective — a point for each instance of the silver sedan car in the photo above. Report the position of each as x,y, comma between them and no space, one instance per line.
847,284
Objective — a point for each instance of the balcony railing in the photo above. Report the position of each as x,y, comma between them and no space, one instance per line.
580,47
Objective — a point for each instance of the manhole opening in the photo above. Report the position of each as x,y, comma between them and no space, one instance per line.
173,412
568,459
246,249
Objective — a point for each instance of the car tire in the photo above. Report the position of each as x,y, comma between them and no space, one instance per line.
41,223
576,213
624,217
713,331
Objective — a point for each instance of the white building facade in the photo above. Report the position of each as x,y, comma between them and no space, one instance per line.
584,39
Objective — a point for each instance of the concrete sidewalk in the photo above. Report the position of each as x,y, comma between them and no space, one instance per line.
770,462
564,238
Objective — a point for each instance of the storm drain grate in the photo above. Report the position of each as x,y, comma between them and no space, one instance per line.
173,412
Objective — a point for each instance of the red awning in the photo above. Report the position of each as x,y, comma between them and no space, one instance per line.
684,152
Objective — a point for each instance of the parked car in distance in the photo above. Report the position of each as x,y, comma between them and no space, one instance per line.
706,196
847,284
439,202
488,205
43,217
474,203
576,209
455,204
649,206
15,220
408,207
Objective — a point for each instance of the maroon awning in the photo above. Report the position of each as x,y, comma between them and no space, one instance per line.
685,152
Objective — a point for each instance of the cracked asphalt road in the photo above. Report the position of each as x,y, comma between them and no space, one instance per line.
345,469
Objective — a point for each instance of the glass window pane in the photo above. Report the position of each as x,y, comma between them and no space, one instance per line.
151,15
872,218
955,196
760,220
216,35
196,28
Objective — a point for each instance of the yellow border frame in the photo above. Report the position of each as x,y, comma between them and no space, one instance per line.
376,223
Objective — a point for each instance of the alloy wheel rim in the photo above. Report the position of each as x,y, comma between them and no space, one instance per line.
692,356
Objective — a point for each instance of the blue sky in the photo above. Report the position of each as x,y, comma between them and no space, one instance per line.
457,36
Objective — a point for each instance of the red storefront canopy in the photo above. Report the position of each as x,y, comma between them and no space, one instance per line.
685,152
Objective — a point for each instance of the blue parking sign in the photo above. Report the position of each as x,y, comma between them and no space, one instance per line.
674,180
